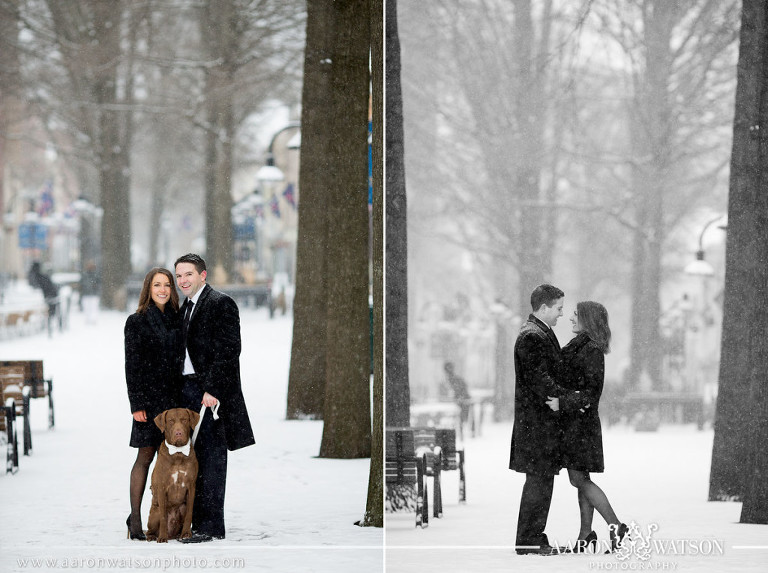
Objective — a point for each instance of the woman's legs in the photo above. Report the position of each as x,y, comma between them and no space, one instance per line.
586,510
591,497
139,474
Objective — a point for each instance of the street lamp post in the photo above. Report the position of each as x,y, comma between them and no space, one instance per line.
700,266
698,379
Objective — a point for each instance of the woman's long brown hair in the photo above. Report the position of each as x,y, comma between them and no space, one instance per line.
593,319
145,299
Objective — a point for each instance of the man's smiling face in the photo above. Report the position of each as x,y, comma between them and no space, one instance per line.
188,279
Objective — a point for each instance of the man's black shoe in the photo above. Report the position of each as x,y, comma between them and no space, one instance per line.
536,550
200,538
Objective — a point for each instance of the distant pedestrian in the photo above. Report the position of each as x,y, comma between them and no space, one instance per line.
90,291
38,279
461,395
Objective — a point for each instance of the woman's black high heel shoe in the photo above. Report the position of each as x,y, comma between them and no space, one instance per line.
139,536
617,535
582,545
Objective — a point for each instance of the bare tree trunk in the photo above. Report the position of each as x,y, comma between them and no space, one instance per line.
306,379
347,412
739,461
651,137
11,105
159,190
534,261
114,182
398,394
210,168
217,26
374,509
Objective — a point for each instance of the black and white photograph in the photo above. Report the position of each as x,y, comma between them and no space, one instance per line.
575,285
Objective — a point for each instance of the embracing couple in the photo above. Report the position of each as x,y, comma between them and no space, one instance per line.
186,357
556,424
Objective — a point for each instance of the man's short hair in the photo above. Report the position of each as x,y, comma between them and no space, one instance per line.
545,294
196,260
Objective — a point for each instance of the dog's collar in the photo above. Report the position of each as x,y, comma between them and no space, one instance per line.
178,450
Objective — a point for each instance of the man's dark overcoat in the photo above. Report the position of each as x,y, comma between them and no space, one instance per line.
152,368
583,373
213,343
536,431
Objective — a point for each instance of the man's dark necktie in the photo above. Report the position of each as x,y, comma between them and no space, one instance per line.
185,324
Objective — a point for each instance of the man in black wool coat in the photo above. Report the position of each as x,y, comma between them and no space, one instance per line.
535,447
211,372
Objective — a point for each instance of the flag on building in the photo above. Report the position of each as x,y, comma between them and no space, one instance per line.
274,204
290,195
45,203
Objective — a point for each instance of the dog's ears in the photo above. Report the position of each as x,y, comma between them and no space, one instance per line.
160,421
194,418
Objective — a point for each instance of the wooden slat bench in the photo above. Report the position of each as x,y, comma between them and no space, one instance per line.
15,403
402,468
33,377
453,458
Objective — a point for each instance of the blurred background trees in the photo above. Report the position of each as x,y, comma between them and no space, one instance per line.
583,144
150,109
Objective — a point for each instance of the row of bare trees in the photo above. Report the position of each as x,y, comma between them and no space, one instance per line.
125,87
603,122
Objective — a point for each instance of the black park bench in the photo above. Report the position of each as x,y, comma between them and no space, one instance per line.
12,384
39,386
8,431
452,458
426,444
404,469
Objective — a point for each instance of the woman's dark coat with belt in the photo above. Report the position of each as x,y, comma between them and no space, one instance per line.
583,372
152,368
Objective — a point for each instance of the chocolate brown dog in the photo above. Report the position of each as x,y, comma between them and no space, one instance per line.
174,477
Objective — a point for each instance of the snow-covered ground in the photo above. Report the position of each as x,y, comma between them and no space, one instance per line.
286,510
656,478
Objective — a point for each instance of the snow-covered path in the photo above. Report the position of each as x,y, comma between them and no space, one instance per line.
651,478
286,511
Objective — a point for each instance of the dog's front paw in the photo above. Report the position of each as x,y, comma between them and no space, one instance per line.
151,537
162,540
185,535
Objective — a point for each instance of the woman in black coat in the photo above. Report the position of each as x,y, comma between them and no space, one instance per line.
152,371
583,372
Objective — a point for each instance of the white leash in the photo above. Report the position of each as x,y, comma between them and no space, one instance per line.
214,409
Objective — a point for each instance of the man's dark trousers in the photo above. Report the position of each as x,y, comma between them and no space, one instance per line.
534,510
211,451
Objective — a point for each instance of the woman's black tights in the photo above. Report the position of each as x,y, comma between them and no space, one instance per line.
591,497
139,474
